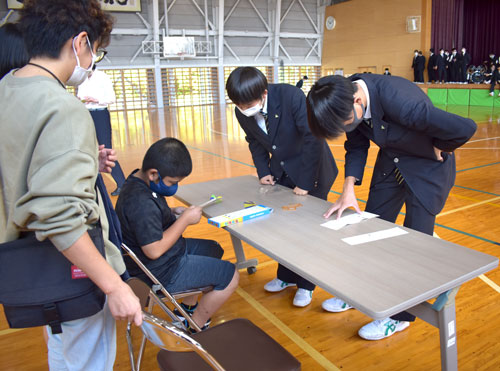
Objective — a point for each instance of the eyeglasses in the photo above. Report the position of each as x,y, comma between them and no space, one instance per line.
99,56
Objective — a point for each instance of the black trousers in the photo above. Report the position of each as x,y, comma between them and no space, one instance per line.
441,75
102,123
431,73
386,198
284,273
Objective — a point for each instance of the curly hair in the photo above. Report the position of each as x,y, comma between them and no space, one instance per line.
48,24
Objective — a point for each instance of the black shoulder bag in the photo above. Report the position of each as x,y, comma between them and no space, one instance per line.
39,286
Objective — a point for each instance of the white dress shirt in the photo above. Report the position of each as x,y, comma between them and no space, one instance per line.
362,85
100,87
261,121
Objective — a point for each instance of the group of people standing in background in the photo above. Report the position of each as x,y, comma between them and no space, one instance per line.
442,67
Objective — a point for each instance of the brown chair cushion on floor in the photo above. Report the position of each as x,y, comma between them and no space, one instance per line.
238,345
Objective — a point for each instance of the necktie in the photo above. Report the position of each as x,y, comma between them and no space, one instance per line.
368,122
266,119
399,176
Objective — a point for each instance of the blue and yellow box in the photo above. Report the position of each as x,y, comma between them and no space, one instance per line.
240,216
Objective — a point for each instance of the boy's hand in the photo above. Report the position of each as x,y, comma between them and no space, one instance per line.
178,210
124,305
107,158
268,179
192,215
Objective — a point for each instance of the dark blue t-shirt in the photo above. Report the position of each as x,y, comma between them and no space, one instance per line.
144,216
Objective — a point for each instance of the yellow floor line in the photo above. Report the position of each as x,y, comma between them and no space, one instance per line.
10,331
468,206
305,346
490,283
471,199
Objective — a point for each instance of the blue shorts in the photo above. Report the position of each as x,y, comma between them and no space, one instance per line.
201,266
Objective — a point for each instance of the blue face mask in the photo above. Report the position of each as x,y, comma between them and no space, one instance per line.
163,189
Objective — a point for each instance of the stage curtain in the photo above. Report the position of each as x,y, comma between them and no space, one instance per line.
481,28
469,23
447,24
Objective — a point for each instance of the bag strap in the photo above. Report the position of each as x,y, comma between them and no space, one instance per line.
51,315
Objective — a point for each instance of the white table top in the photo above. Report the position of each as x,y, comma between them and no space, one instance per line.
379,278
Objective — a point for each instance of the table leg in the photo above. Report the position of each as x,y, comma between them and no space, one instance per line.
448,337
443,317
241,261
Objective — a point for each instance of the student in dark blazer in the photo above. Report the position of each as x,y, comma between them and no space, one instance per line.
415,165
283,149
430,66
420,67
440,67
465,60
414,65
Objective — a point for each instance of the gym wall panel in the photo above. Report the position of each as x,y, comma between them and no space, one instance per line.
480,97
438,96
458,96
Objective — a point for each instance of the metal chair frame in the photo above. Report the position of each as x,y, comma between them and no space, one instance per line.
154,299
179,340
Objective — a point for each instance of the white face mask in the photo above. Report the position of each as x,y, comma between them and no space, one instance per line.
252,111
80,74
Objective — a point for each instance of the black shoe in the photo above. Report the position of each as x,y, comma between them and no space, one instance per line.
116,192
182,319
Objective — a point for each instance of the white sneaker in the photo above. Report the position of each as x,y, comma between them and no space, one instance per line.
302,298
499,94
335,305
382,328
277,285
492,94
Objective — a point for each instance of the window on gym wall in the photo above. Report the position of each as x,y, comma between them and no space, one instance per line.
134,89
189,86
266,70
292,74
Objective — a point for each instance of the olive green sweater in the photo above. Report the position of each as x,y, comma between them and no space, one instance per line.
48,165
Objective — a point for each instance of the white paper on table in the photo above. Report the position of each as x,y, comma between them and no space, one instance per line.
374,236
348,219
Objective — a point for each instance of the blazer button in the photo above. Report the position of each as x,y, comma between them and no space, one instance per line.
274,146
382,127
396,160
282,163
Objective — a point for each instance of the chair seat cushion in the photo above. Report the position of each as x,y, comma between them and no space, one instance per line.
238,345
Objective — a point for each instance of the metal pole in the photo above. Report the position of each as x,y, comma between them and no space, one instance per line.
156,37
276,53
220,53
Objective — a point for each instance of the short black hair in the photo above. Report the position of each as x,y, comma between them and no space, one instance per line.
245,85
431,50
48,24
13,53
329,105
170,157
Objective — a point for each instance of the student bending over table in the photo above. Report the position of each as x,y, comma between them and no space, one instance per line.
415,164
283,149
154,232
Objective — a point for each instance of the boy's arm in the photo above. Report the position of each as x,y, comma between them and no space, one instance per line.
122,302
170,236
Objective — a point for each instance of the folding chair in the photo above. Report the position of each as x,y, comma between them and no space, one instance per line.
236,345
149,302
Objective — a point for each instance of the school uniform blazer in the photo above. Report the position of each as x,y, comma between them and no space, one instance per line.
407,127
441,61
290,146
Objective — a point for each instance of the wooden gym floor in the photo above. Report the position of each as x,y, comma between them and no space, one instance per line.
318,339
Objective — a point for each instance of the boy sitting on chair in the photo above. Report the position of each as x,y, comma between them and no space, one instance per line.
154,232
